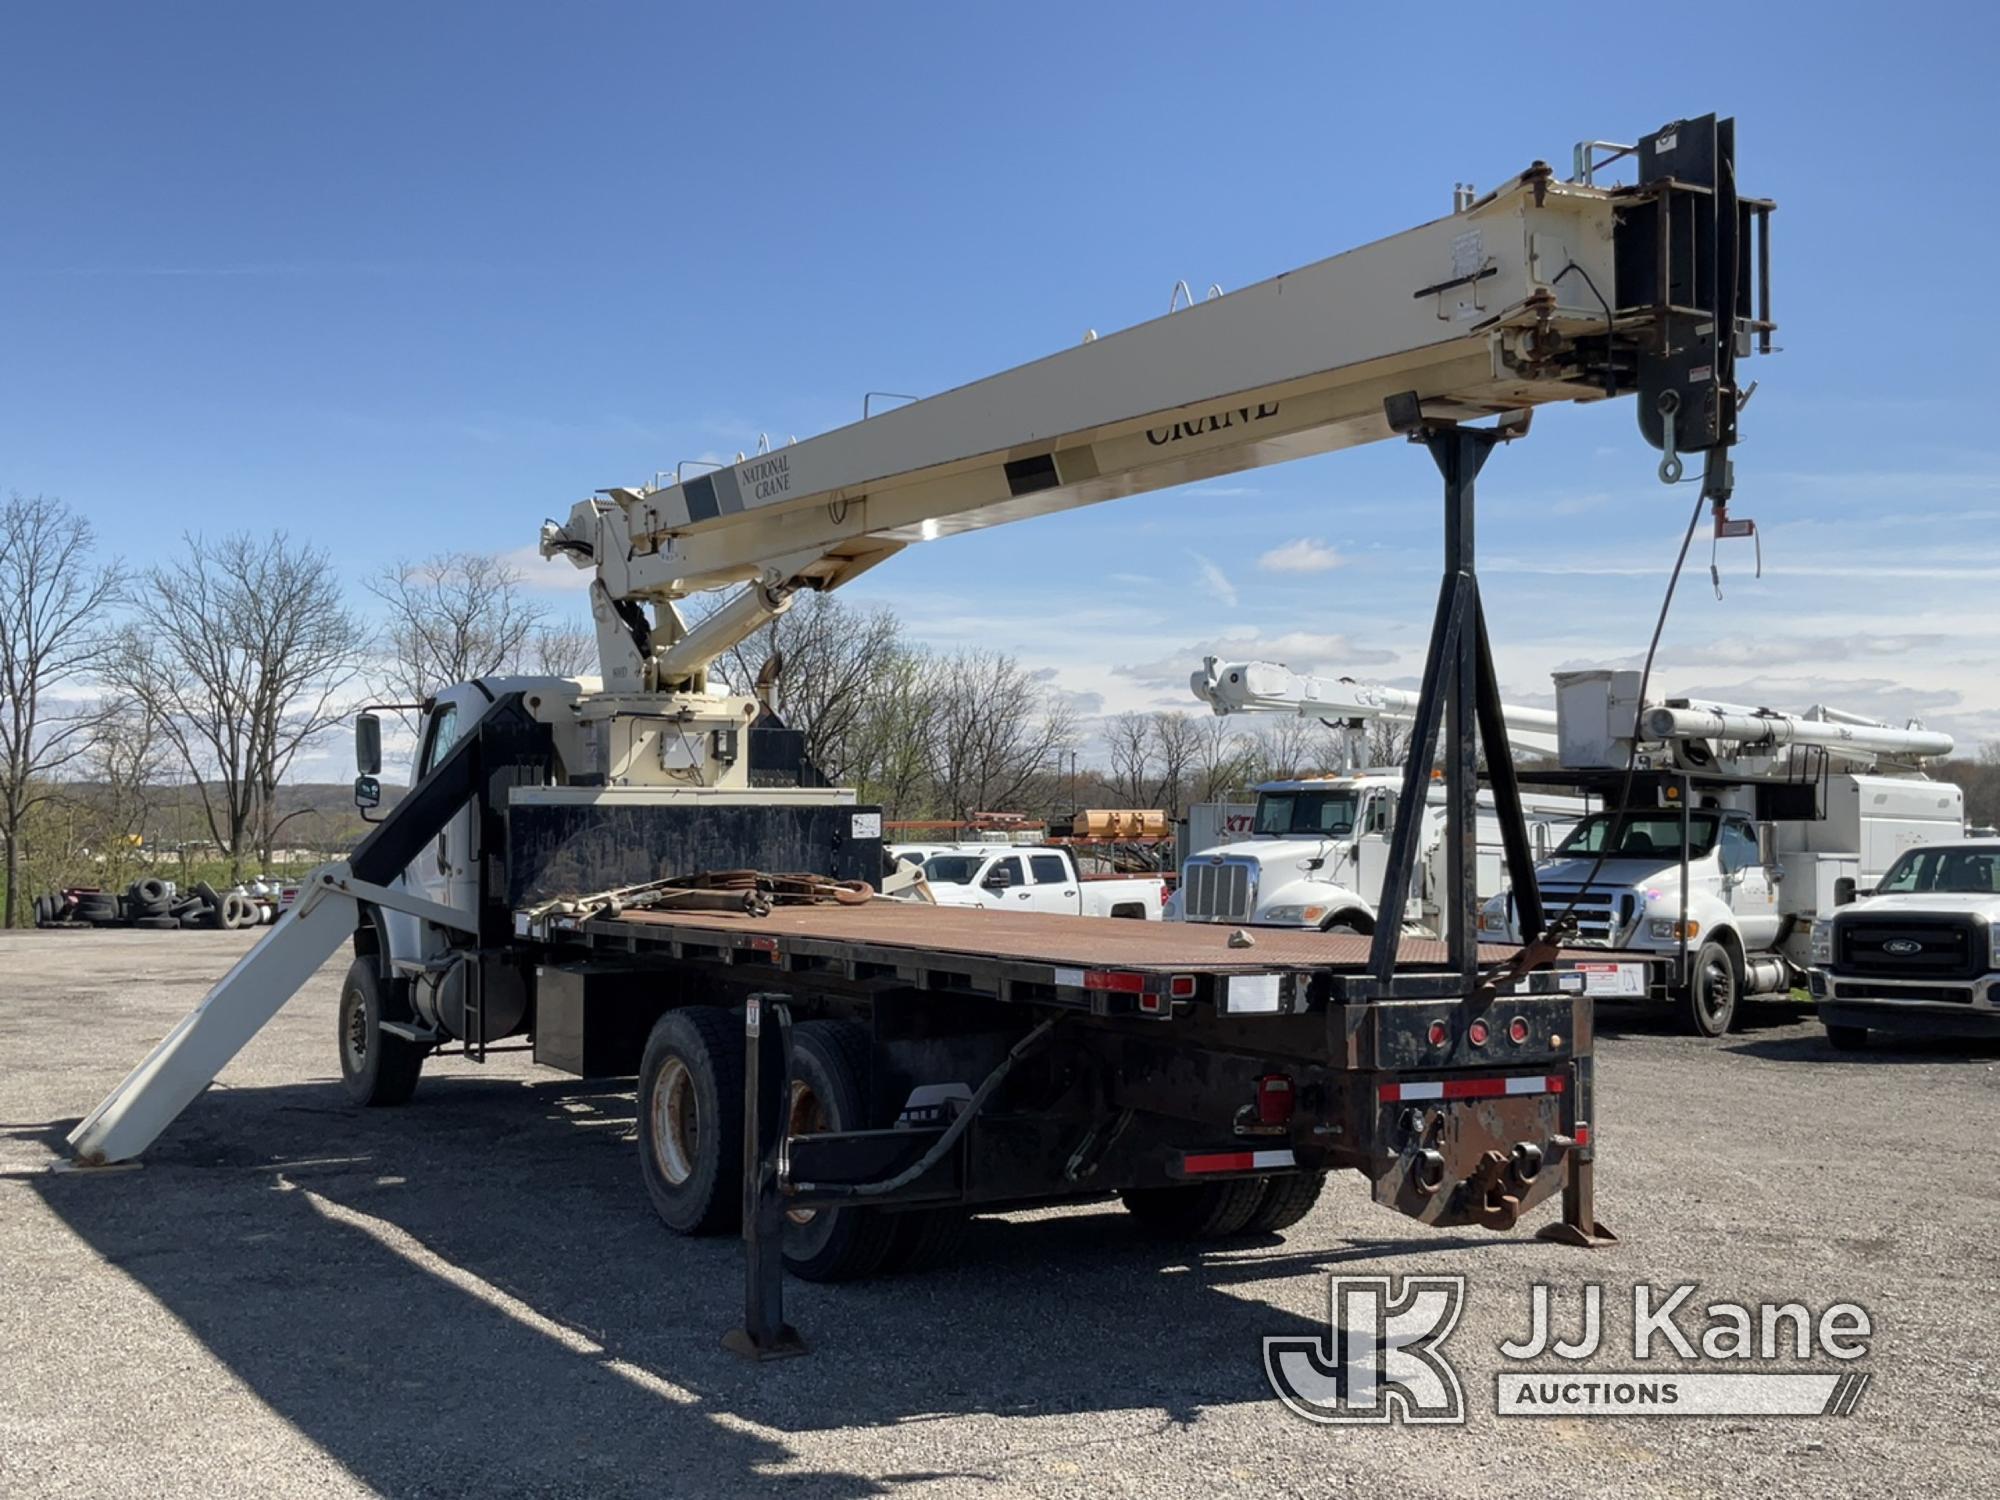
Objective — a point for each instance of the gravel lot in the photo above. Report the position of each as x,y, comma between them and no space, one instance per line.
470,1296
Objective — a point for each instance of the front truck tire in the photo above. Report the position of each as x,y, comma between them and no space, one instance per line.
377,1067
691,1120
1715,984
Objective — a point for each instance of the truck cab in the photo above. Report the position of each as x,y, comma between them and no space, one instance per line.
1919,955
1318,849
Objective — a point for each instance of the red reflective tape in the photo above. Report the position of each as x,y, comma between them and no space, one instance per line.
765,945
1221,1161
1470,1088
1555,1082
1113,979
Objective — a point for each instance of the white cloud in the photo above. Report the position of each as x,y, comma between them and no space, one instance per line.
1214,580
1305,554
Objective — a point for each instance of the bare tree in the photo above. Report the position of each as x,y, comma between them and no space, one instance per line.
452,618
1284,747
564,650
125,770
1222,759
53,600
823,662
1177,737
890,762
993,727
242,659
1131,754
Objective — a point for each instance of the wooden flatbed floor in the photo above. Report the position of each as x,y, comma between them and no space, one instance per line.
1056,939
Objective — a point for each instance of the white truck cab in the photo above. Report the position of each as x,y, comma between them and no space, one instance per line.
1919,955
1318,849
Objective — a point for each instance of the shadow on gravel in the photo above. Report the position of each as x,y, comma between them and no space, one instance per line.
1616,1018
471,1295
1882,1050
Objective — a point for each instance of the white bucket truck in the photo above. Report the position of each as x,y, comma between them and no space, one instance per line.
1739,826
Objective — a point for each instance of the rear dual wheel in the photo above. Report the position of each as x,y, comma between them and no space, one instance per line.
691,1140
1233,1206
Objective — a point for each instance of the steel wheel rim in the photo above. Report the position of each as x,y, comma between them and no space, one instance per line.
354,1035
676,1122
1718,991
806,1116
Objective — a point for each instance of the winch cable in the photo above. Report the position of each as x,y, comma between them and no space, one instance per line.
1552,929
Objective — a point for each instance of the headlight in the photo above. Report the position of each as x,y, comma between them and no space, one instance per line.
1822,941
1297,914
1993,944
1493,916
1667,930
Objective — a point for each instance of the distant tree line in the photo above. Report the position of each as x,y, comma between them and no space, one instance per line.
175,701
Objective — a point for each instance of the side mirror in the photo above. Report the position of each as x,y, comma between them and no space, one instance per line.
1843,890
368,750
367,792
997,880
1767,844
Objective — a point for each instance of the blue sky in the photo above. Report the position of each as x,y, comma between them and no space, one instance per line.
409,277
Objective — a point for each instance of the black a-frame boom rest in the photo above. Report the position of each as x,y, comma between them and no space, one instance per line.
1459,691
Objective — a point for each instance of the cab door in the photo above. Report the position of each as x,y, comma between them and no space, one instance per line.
1752,893
1053,884
447,872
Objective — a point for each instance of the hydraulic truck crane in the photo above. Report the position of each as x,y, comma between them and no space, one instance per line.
642,873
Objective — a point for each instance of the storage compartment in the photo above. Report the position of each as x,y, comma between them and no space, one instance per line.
593,1022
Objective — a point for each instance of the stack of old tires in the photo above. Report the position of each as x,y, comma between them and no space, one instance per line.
228,910
149,903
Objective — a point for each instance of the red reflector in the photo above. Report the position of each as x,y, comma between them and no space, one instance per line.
1477,1033
1181,986
1114,979
765,945
1583,1135
1517,1030
1274,1099
1152,1004
1440,1033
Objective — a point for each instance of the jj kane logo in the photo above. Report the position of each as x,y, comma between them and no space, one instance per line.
1382,1357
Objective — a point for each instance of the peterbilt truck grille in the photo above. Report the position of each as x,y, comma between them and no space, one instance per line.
1218,892
1602,917
1910,947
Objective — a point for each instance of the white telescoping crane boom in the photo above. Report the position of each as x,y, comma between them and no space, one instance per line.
1251,687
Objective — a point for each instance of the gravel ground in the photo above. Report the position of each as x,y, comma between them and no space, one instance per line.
470,1297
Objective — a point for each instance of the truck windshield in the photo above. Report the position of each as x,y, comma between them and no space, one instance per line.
1330,812
953,869
1962,871
1642,832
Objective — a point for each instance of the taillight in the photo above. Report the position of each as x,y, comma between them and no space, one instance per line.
1517,1030
1477,1033
1181,986
1274,1099
1440,1033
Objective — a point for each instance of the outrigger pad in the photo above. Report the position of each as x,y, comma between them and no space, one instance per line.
1564,1233
787,1345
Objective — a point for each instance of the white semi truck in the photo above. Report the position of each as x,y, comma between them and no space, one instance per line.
1317,849
643,874
1737,829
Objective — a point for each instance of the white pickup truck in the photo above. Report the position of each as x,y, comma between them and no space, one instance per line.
1033,877
1918,955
